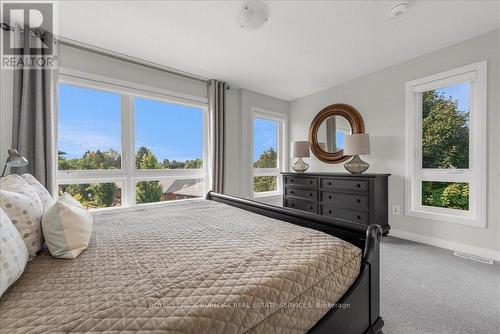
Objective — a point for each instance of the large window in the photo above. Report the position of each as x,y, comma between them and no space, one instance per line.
118,148
446,138
268,155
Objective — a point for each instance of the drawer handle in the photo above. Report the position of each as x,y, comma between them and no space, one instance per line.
358,217
329,183
311,194
291,192
358,200
310,207
329,196
358,185
291,180
311,182
291,204
330,211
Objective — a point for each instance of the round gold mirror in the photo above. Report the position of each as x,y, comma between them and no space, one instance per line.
329,128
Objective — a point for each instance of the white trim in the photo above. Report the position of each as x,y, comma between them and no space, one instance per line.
282,149
476,74
127,87
446,244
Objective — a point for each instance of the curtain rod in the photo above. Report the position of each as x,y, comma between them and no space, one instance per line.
126,58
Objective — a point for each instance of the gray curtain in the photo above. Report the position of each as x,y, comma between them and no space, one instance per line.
33,114
217,108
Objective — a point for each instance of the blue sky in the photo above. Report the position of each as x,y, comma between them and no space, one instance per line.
460,93
91,119
265,136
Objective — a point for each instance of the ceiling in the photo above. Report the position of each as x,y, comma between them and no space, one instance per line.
306,46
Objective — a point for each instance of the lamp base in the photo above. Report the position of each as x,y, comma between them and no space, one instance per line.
300,166
356,165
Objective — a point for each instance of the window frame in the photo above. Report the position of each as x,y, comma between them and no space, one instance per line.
475,175
281,148
129,175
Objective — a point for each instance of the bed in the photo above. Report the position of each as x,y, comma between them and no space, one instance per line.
222,265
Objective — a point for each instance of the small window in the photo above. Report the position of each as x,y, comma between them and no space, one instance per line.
89,136
268,139
446,138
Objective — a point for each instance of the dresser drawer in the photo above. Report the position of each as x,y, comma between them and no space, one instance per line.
308,194
359,202
301,205
301,181
344,184
349,215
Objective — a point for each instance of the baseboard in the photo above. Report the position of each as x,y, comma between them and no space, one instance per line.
446,244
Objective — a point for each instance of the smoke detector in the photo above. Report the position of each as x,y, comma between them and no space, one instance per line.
252,15
398,10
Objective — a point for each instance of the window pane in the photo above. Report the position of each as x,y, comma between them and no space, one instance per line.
96,195
168,189
89,129
451,195
168,135
265,183
445,127
265,143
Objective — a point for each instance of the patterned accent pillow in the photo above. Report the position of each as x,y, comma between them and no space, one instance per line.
67,227
24,209
40,190
13,253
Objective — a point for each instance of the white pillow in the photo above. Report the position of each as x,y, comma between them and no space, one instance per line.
67,226
13,253
24,209
40,190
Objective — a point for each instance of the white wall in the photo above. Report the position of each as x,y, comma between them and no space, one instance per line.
380,98
6,105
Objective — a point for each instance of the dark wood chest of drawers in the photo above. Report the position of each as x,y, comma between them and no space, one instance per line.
355,198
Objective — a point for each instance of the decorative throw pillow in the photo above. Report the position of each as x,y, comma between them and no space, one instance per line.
24,209
67,226
13,253
40,190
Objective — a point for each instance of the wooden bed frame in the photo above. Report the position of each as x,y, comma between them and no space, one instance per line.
359,307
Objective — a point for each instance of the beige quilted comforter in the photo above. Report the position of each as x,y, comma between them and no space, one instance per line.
193,267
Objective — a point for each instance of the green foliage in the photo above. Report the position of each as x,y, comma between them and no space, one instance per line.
188,164
445,133
100,195
446,195
268,159
104,194
148,192
92,160
264,183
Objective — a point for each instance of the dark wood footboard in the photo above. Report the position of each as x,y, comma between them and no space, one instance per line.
358,310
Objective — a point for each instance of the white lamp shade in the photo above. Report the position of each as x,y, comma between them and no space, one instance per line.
300,149
357,144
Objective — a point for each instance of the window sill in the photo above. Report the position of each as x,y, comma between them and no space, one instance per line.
447,218
142,205
268,194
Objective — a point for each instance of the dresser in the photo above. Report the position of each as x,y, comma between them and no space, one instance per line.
360,198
